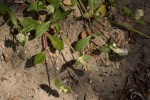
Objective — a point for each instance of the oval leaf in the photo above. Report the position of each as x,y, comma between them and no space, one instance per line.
81,44
58,83
58,15
40,57
57,43
28,25
33,6
93,4
127,11
105,48
55,3
27,21
12,17
42,28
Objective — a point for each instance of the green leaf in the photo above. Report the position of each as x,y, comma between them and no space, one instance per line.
57,43
12,17
83,60
57,27
140,21
3,9
55,3
93,4
127,11
74,2
82,43
58,15
65,89
105,48
28,25
112,2
58,83
42,28
40,57
26,21
87,15
35,6
96,34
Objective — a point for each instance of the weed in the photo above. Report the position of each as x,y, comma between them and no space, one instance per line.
43,25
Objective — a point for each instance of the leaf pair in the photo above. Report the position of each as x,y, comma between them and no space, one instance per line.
57,44
119,51
82,43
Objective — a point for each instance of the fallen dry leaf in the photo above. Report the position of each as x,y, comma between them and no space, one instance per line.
83,34
102,10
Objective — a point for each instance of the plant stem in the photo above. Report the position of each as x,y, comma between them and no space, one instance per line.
126,27
130,29
80,2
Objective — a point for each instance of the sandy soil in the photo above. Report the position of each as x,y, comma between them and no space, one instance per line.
20,79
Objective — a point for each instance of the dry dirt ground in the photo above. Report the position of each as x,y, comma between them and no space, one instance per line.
112,78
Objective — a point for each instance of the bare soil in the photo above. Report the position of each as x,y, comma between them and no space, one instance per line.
112,77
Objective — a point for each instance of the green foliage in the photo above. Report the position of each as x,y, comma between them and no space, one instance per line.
96,34
127,11
82,43
28,24
114,48
105,48
12,17
58,83
55,3
87,15
93,4
140,21
35,6
112,2
40,57
57,43
59,15
57,27
74,2
63,88
82,60
42,28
